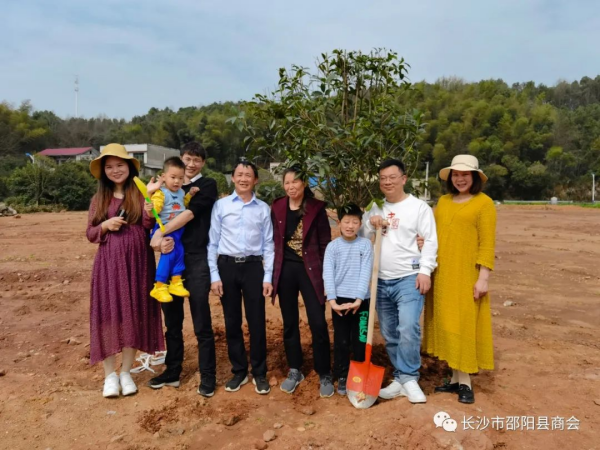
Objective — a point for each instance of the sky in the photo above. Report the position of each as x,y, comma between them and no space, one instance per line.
131,55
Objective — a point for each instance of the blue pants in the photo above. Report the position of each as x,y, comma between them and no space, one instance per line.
399,305
171,263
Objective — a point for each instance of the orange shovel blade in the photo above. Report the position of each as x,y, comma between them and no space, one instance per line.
364,383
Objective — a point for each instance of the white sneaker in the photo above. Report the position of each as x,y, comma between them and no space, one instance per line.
393,390
111,386
413,391
128,386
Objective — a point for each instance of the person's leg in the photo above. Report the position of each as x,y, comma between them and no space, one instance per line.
409,303
109,365
342,334
178,262
112,387
464,378
388,320
387,312
198,283
454,378
173,316
288,304
163,272
128,357
254,306
315,312
232,311
128,386
359,327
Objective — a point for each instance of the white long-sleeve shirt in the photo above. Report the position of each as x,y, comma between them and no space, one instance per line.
400,255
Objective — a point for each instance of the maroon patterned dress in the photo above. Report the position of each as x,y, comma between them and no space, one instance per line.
122,313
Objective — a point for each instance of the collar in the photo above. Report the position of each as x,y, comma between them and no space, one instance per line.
196,178
235,197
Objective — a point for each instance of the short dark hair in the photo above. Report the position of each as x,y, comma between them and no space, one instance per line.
194,148
392,162
173,161
244,162
350,209
476,187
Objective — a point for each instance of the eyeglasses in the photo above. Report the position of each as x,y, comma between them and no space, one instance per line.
392,178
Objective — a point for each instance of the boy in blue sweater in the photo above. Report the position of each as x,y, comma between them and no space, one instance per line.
346,273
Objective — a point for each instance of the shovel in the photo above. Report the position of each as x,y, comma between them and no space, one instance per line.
364,378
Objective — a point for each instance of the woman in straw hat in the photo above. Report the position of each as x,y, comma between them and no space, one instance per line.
458,324
122,317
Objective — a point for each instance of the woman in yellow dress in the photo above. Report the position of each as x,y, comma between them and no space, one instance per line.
458,322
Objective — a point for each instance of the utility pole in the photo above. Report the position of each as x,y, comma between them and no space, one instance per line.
593,187
76,96
426,181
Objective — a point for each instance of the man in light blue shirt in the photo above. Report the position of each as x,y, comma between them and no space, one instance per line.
240,240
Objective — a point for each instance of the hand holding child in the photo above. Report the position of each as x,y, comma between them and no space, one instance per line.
194,190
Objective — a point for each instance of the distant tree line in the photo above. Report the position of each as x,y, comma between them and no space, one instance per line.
533,141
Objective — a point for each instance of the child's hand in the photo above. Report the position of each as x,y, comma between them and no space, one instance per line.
154,186
194,190
148,208
337,308
353,306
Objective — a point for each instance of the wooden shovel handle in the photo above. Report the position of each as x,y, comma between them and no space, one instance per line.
374,276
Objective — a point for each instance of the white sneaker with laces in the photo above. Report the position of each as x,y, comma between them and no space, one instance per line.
393,390
111,386
128,386
413,392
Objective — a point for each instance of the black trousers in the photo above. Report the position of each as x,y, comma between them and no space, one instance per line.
349,334
294,280
197,281
244,280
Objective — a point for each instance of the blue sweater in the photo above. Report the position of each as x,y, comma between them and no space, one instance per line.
347,268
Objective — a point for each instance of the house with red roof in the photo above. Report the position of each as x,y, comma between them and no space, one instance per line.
61,155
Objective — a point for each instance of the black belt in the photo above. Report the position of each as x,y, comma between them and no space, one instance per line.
240,259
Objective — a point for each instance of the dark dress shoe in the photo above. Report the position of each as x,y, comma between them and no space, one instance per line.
465,394
447,387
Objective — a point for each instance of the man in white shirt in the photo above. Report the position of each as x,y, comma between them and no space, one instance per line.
404,276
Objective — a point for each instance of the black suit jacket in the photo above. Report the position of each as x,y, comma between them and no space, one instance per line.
195,236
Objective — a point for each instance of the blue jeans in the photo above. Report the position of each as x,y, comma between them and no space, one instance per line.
399,307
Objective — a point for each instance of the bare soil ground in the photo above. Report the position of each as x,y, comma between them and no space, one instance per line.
547,355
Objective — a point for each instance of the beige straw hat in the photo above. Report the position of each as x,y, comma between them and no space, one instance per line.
111,150
463,163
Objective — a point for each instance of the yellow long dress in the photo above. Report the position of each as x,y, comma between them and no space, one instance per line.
458,328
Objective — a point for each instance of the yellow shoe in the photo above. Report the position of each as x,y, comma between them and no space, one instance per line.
176,288
161,293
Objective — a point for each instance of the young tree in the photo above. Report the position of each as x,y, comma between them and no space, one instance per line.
338,124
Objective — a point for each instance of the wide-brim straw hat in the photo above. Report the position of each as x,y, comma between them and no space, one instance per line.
463,163
117,150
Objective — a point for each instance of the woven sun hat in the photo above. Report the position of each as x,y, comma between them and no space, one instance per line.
463,163
117,150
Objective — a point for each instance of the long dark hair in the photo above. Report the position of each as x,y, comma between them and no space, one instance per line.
106,188
298,174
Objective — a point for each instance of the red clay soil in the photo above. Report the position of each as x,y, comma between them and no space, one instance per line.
547,358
